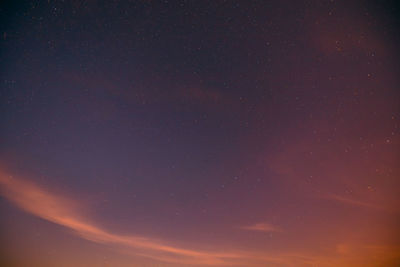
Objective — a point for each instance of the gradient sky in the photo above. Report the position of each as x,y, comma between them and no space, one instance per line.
199,133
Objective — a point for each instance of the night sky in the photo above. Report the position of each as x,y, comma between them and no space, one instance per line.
199,133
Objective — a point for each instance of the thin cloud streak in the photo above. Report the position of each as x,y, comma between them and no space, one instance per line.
33,199
355,202
262,227
63,211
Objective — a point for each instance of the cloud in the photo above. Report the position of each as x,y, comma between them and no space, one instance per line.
262,227
65,212
62,211
355,202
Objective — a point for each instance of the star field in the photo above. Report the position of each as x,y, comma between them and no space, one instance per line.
199,133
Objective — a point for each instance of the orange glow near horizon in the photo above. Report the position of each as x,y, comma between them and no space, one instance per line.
59,210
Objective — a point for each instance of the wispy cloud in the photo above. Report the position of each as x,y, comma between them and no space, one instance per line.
62,211
355,202
262,227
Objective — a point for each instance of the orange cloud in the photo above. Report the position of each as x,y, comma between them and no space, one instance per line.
262,227
63,211
33,199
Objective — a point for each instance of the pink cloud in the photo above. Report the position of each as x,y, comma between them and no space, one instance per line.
262,227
